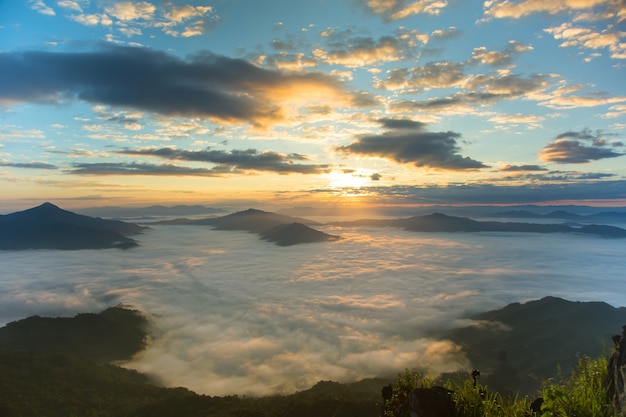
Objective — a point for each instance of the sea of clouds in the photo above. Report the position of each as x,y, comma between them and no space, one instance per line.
233,314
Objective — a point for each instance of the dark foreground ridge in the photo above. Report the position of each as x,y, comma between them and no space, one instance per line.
522,344
438,222
50,227
54,367
115,334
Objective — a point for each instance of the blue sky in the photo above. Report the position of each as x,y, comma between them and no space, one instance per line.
360,102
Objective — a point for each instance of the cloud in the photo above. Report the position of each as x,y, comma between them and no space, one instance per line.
70,5
399,9
587,38
433,75
40,7
568,148
479,90
126,10
500,58
565,151
28,165
134,168
549,187
512,120
522,168
564,97
206,85
343,48
236,160
508,9
234,315
408,142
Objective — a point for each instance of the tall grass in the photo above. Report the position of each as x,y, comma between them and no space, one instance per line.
582,394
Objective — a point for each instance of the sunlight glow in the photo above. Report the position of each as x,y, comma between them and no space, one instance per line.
348,180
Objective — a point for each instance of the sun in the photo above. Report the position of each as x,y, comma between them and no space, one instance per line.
347,180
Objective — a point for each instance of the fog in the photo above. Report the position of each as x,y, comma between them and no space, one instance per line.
233,314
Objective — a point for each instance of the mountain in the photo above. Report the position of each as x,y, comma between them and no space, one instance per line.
50,227
280,229
524,343
294,233
607,216
438,222
115,334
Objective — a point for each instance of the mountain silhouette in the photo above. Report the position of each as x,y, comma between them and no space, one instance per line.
294,233
609,216
280,229
50,227
438,222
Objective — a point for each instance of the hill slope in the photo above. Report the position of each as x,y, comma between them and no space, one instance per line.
532,341
50,227
438,222
280,229
294,233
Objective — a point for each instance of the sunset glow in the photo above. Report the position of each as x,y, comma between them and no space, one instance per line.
281,102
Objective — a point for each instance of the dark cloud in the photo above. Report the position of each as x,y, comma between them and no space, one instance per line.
205,85
522,168
401,124
584,134
376,177
134,168
533,192
557,176
409,143
572,147
236,160
29,165
565,151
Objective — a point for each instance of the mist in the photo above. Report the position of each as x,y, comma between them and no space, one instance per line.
232,314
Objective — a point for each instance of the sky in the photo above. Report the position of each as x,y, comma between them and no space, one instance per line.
308,103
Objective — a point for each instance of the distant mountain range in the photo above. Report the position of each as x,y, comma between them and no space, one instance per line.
273,227
438,222
564,215
50,227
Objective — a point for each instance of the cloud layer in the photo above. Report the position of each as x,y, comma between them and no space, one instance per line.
234,315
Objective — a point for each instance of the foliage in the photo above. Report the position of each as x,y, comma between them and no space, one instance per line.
116,333
583,394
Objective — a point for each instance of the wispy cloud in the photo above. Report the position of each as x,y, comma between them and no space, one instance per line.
399,9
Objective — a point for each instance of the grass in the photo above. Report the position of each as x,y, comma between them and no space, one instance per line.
582,394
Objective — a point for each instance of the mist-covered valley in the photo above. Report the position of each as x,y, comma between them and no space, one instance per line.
233,314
